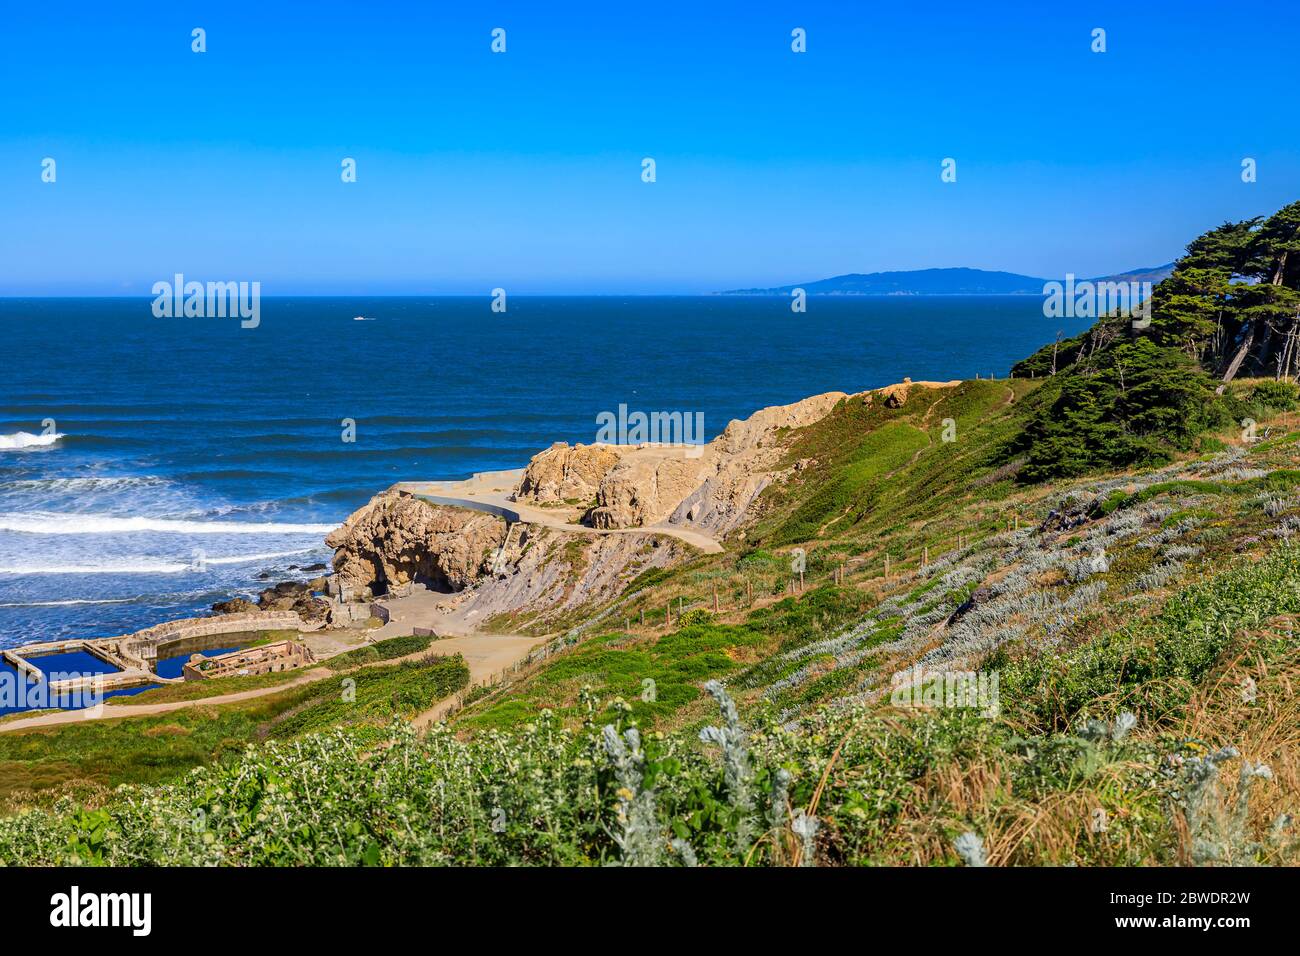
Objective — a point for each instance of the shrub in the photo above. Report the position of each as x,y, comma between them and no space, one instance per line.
695,616
1133,404
386,650
1282,396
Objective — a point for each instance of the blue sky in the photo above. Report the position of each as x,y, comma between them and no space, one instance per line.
522,170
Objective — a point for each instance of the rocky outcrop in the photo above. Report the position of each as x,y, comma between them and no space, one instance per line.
397,538
235,606
565,473
296,596
895,396
548,573
709,487
645,487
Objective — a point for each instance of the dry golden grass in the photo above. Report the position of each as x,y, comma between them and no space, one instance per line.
1251,703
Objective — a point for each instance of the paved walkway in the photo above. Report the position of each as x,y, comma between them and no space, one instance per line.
490,492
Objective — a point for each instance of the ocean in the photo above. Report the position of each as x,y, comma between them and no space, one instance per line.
200,460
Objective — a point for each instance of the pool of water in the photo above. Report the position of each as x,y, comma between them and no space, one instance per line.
18,694
72,662
171,666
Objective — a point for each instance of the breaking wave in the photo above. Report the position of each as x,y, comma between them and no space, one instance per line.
146,566
38,522
26,440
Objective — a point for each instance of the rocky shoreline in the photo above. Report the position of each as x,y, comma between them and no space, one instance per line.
487,566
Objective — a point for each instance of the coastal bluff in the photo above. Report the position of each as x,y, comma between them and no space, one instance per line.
579,522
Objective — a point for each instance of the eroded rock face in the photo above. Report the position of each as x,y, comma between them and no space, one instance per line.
567,473
398,538
549,572
895,396
711,489
541,571
645,487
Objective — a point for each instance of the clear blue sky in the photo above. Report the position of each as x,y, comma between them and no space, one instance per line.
522,170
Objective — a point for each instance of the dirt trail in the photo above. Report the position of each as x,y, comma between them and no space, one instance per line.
490,492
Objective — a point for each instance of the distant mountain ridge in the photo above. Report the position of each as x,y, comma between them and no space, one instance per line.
959,281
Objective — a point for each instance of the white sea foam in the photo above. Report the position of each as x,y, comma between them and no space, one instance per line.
26,440
39,522
146,565
84,484
67,603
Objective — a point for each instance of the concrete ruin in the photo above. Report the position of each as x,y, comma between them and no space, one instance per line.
135,656
267,659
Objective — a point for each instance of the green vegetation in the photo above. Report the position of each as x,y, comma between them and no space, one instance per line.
874,461
616,667
386,650
371,695
1151,667
903,786
200,689
1122,395
1280,396
1132,404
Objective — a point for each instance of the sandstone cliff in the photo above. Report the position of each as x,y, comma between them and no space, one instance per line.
538,571
396,539
548,573
484,568
566,473
710,487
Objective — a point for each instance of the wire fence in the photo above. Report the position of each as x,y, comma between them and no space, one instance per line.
799,581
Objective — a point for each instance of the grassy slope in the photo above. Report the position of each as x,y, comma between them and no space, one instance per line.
903,786
883,481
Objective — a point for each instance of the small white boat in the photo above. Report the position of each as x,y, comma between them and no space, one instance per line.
361,318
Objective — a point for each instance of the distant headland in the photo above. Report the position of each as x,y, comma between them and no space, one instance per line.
942,282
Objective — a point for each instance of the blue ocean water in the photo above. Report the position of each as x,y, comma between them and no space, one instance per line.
200,460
